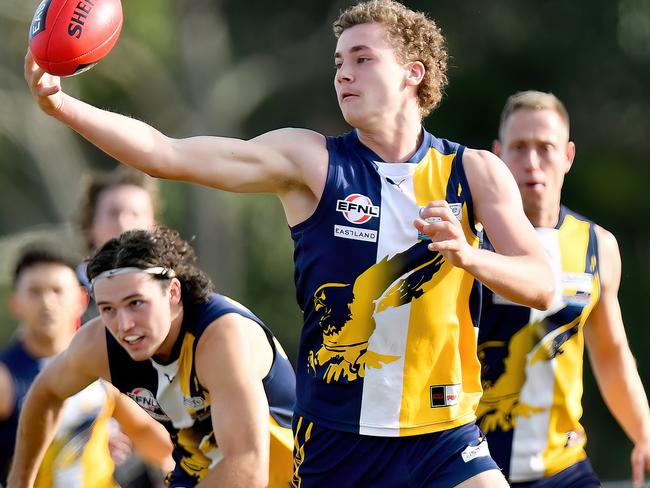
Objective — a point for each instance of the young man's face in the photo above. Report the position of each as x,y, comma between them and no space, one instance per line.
48,301
536,148
138,312
121,208
369,80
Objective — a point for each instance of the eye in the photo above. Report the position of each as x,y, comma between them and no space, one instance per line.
362,59
519,146
337,66
106,310
135,304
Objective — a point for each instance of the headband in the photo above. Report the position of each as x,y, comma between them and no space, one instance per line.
155,270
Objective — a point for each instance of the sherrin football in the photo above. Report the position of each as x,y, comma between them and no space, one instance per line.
67,37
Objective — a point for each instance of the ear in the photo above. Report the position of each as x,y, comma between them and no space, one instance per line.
84,299
415,74
175,292
570,155
496,147
14,307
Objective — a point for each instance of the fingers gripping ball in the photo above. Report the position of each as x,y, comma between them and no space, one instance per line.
67,37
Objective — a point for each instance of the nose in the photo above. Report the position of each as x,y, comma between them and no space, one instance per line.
343,74
531,159
124,321
49,298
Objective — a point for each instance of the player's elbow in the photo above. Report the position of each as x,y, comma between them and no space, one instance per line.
545,298
544,287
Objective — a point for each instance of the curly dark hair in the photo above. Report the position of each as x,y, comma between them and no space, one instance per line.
414,37
150,248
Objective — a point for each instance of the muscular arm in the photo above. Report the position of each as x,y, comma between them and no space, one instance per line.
232,358
289,162
612,361
67,374
149,437
518,271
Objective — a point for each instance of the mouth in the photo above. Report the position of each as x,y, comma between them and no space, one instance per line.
534,185
132,340
347,96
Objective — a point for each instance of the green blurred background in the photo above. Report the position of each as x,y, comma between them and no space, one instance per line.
240,68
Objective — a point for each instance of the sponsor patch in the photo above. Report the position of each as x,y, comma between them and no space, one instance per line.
196,403
443,395
475,451
147,401
357,209
456,209
346,232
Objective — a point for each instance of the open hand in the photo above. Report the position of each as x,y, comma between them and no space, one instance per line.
46,88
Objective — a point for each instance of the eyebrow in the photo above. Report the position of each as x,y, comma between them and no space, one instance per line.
353,49
125,299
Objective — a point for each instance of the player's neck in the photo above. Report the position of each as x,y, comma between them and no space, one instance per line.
544,217
393,142
164,352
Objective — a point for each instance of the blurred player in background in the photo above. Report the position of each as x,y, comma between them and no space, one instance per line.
532,360
197,362
384,220
48,301
111,203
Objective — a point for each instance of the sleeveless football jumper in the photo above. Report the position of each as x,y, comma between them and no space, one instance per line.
532,361
388,346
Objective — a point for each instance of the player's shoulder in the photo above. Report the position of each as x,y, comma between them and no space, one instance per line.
485,167
480,157
90,339
292,137
607,242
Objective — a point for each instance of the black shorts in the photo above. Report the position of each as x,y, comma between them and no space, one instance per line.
579,475
326,457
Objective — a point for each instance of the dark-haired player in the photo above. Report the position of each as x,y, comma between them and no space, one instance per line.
199,363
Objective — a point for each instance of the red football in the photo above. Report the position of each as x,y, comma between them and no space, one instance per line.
67,37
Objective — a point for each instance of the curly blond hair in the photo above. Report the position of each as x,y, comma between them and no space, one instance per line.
414,37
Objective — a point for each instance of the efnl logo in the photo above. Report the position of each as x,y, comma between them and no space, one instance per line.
357,209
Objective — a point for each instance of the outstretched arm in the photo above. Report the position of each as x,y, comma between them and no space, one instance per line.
68,373
272,162
519,270
612,361
228,364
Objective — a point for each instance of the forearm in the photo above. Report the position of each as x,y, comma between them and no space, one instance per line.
36,428
524,280
128,140
243,471
154,449
623,392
